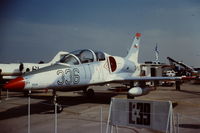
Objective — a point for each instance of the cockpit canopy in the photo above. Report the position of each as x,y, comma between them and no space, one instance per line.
83,56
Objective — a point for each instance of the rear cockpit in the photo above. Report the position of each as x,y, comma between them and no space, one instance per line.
83,56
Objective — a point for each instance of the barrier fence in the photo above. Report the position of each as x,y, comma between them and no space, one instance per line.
93,119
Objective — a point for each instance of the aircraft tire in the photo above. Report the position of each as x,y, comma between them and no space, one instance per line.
90,93
130,96
59,108
26,94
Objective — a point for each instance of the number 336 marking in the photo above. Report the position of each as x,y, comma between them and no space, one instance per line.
68,76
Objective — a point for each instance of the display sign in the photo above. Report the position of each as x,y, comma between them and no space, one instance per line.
141,113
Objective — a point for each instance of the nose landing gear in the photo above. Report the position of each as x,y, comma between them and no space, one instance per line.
59,107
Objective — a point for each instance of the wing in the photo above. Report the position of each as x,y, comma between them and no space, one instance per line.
153,79
146,79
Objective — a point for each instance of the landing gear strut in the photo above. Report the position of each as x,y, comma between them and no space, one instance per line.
129,96
178,84
59,106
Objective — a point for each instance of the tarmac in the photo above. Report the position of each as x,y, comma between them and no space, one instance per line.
83,115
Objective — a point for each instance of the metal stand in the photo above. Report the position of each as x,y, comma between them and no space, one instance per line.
178,85
29,111
101,119
7,94
178,122
56,118
170,128
108,121
0,94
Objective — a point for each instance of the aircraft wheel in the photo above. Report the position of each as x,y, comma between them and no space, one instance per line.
90,93
130,96
26,94
59,108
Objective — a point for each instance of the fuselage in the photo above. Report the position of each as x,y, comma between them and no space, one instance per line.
67,76
77,70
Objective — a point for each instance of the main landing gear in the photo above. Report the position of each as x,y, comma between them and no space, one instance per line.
89,92
59,107
129,96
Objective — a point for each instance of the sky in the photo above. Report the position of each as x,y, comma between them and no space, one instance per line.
35,30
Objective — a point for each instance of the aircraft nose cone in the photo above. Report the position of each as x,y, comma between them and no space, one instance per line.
15,84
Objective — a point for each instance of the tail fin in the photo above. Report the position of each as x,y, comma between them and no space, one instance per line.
58,56
134,50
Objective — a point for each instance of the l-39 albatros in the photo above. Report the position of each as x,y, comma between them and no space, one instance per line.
80,69
13,70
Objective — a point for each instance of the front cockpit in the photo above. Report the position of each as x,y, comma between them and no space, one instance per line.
83,56
70,59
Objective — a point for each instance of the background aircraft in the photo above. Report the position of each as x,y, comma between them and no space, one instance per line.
80,69
185,68
11,71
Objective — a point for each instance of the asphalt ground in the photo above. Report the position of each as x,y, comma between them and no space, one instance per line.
83,115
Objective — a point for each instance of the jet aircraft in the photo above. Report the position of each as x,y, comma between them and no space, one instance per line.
186,67
13,70
82,68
